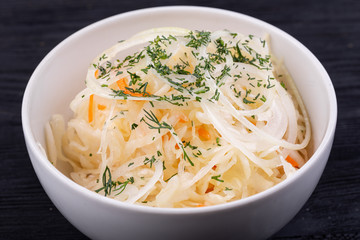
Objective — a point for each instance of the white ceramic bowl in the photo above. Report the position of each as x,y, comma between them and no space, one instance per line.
61,75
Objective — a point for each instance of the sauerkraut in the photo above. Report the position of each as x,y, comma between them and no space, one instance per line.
178,118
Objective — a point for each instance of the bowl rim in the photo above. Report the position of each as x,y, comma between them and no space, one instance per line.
41,159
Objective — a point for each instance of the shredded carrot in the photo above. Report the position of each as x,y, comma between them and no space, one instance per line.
183,118
210,188
214,167
177,146
292,162
91,108
252,120
101,107
123,86
97,73
200,205
204,134
166,137
190,68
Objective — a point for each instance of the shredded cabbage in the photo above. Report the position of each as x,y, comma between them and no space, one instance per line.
193,118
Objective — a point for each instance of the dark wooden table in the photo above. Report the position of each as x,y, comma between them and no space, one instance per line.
330,29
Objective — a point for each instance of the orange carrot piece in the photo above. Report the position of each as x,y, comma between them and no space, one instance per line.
101,107
183,118
134,94
210,188
200,205
204,134
91,108
97,73
253,121
292,161
122,86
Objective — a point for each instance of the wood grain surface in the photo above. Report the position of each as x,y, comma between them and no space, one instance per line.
330,29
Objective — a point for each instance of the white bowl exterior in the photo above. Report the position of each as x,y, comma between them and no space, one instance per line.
256,217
